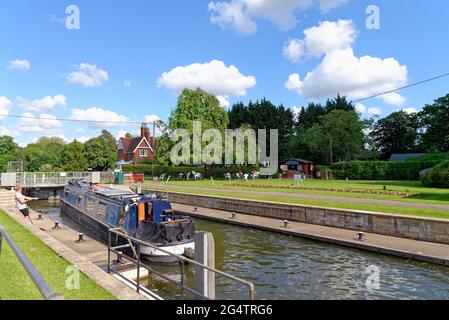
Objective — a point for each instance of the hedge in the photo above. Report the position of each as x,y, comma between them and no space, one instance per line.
380,170
216,172
438,176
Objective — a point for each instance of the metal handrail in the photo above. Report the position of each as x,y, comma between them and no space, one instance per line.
183,260
45,290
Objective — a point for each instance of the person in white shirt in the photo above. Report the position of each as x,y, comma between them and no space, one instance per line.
21,202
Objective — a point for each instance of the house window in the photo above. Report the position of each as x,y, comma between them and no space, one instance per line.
143,152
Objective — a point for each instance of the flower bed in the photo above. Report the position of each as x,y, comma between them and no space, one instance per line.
348,190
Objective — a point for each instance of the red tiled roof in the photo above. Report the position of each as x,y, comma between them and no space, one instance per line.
130,144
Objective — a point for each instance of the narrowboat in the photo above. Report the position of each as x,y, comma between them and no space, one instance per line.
144,217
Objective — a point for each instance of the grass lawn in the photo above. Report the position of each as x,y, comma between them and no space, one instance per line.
417,193
14,281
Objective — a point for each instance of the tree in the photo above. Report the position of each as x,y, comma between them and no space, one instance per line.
337,136
46,151
98,155
396,133
434,122
339,103
110,140
197,105
264,115
74,157
8,151
309,116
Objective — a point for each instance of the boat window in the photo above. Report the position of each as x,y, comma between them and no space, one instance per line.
72,197
66,194
90,204
101,211
79,201
113,214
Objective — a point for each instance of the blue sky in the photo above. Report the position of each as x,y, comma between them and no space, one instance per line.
141,40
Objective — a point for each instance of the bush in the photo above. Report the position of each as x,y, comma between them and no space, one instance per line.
216,172
380,170
438,177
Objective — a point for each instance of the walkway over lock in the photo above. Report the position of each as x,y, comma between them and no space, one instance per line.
46,179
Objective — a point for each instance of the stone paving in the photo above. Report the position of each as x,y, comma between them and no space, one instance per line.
90,256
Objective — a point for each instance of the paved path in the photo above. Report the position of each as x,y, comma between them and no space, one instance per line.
90,256
411,249
312,196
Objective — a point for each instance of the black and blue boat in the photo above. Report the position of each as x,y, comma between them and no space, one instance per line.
145,217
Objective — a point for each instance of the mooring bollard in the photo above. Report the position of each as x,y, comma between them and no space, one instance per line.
233,216
361,236
80,238
56,225
40,217
286,224
205,254
195,209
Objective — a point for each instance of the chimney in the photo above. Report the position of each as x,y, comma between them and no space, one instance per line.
145,132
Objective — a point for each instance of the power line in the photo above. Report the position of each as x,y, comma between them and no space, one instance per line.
71,120
402,88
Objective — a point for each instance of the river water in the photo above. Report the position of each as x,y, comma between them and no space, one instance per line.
283,267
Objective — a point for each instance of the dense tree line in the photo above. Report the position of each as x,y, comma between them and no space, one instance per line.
49,154
323,133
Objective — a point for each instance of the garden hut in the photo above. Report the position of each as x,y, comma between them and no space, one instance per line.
292,167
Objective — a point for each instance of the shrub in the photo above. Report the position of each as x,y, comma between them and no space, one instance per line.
380,170
438,177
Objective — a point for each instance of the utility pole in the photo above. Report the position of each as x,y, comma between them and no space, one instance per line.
154,149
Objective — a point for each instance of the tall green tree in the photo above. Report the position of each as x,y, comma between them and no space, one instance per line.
337,137
74,158
97,154
396,133
197,105
8,151
264,114
339,103
45,153
434,122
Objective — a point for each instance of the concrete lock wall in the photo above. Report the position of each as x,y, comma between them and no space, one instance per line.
431,230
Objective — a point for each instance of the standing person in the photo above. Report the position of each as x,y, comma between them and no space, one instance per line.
21,202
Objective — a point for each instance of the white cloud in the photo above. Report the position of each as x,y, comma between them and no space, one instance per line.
213,77
20,65
45,124
46,104
374,112
367,112
88,75
152,118
127,83
80,130
294,50
232,14
5,132
5,103
394,99
327,37
122,134
241,15
110,118
410,110
344,73
296,111
360,108
83,139
328,5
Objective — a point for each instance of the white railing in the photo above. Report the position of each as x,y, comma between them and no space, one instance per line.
36,179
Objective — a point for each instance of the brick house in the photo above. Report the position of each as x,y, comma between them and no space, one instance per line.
136,149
